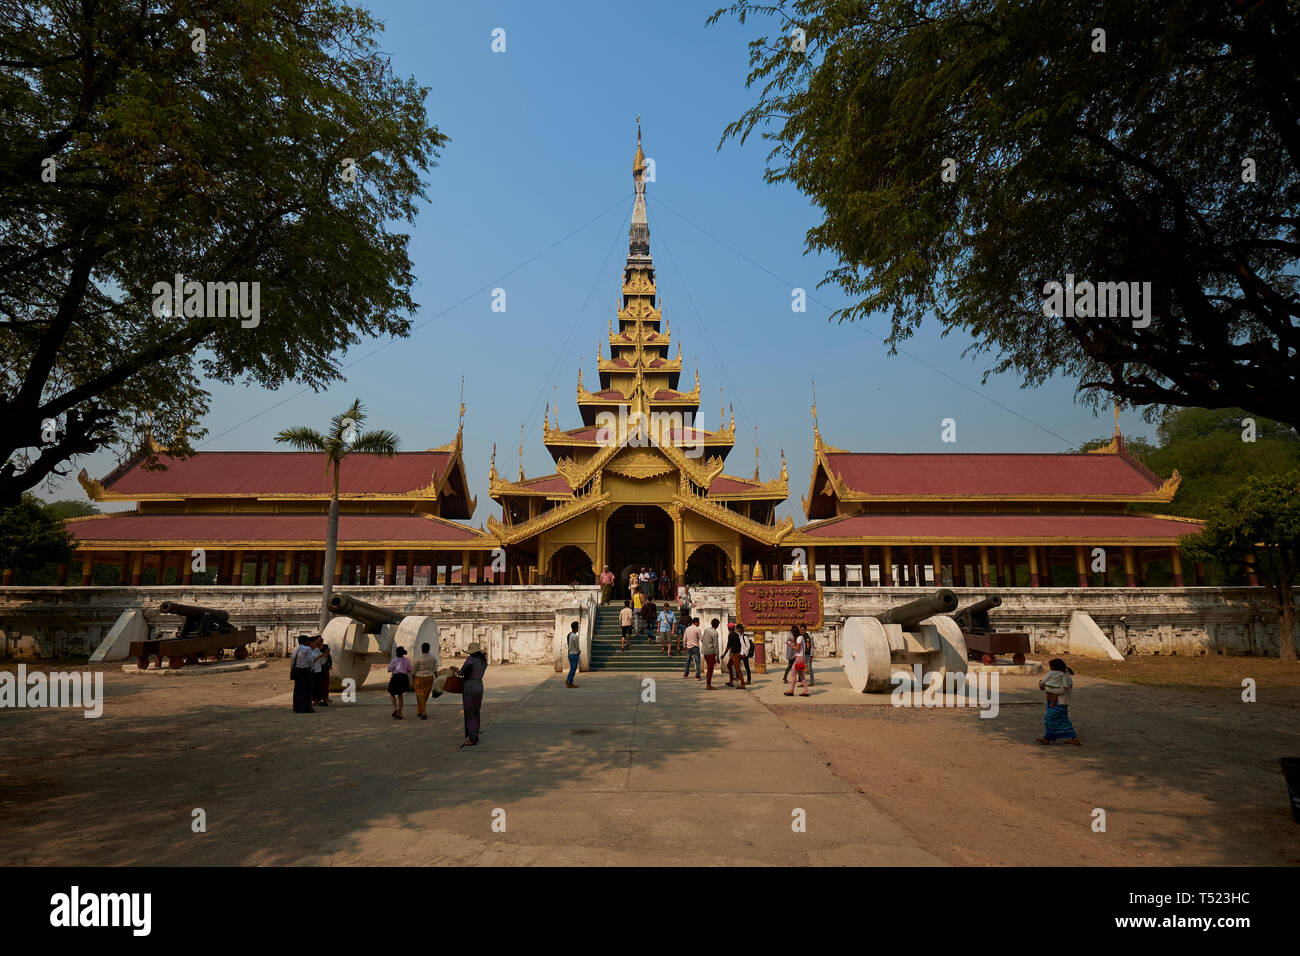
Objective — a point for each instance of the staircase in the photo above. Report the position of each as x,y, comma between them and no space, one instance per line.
641,654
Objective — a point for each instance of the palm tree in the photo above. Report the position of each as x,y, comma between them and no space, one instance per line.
341,440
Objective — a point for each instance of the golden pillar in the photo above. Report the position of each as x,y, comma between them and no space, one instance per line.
137,568
866,565
464,567
984,565
1252,579
1176,560
237,568
1081,565
1033,567
936,559
1130,569
886,566
338,567
811,570
390,567
87,569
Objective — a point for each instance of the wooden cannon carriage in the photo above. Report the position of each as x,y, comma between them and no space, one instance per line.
207,632
985,644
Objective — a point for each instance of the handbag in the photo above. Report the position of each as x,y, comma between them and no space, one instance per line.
454,684
799,663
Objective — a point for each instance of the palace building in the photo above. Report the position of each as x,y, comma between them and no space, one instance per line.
639,483
260,518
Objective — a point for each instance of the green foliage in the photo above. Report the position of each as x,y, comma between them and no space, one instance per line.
225,165
32,536
1123,165
63,510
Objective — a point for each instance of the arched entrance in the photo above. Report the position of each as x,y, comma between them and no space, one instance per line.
709,566
571,565
636,537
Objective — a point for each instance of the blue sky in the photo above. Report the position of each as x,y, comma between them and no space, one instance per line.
542,140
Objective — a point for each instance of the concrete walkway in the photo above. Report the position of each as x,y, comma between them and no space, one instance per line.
618,773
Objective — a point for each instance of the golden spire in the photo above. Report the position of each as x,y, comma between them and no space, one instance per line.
756,453
521,451
492,468
1117,419
784,474
638,164
817,435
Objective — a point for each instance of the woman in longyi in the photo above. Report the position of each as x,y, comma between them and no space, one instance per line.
1056,719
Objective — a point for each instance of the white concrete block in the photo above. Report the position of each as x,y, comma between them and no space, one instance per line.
1087,640
116,645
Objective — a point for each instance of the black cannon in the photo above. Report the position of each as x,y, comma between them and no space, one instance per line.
942,601
983,642
207,632
974,618
370,617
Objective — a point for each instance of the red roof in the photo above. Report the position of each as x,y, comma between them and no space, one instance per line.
906,476
286,473
552,484
936,528
187,530
727,485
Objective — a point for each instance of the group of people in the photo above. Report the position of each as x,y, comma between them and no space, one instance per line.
309,670
422,677
311,661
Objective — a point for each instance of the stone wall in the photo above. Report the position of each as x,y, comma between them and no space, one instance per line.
528,624
1189,621
517,624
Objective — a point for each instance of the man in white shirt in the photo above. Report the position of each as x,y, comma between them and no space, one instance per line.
709,648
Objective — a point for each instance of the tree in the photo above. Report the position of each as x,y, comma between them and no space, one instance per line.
261,151
31,536
1259,521
965,155
340,441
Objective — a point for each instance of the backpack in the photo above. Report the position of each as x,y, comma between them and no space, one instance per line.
750,654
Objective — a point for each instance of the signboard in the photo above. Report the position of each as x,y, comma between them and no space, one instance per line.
775,605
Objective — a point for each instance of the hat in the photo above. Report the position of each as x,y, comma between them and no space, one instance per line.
474,648
731,626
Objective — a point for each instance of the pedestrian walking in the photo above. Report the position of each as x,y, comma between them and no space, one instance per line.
638,611
300,673
667,621
709,648
691,645
575,653
733,659
321,671
424,671
808,653
400,682
800,663
606,585
648,615
790,640
746,650
472,694
625,622
1056,718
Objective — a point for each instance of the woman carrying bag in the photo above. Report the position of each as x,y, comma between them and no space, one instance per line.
470,678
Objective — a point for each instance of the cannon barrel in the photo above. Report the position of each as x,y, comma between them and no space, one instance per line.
980,607
942,601
192,610
374,618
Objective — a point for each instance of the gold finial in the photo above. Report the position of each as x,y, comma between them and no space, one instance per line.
784,474
521,451
732,411
1117,419
817,435
492,467
756,453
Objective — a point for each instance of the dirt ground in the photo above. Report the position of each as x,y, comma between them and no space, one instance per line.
1186,772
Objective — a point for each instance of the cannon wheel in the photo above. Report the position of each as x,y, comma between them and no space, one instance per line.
864,654
217,654
988,659
176,662
1018,658
241,652
347,664
142,662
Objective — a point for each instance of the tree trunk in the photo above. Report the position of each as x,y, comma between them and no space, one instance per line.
331,548
1286,648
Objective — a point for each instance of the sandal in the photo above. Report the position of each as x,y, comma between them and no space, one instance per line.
789,693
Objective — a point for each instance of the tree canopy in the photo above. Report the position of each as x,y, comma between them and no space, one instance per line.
234,141
965,154
32,536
